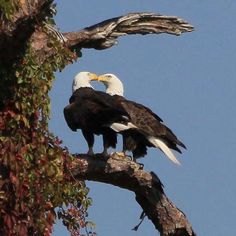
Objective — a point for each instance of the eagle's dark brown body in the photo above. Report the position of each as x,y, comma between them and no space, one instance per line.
91,111
148,124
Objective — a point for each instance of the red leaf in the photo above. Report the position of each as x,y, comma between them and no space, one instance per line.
23,230
2,123
11,113
19,157
24,150
48,205
14,179
8,221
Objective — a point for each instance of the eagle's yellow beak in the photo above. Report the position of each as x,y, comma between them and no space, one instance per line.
102,78
93,76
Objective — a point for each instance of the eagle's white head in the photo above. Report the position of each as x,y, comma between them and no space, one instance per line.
113,85
82,80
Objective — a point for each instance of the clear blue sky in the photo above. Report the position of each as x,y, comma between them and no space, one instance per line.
190,82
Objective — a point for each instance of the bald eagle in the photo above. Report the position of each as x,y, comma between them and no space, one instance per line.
148,129
92,112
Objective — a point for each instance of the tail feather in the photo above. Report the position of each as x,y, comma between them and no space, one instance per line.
181,144
164,148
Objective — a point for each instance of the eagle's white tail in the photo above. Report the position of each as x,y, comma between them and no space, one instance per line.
160,144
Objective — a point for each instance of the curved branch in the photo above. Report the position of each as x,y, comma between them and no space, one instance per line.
103,35
122,172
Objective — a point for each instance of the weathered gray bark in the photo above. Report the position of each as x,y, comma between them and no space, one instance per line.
104,35
122,172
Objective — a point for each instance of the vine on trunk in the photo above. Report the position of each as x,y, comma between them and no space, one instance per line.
33,181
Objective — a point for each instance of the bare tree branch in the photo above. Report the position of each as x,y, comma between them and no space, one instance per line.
166,217
104,35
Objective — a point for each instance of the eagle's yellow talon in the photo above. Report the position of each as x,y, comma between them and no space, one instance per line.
120,154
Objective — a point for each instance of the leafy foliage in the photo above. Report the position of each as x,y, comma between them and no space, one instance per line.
8,8
34,176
